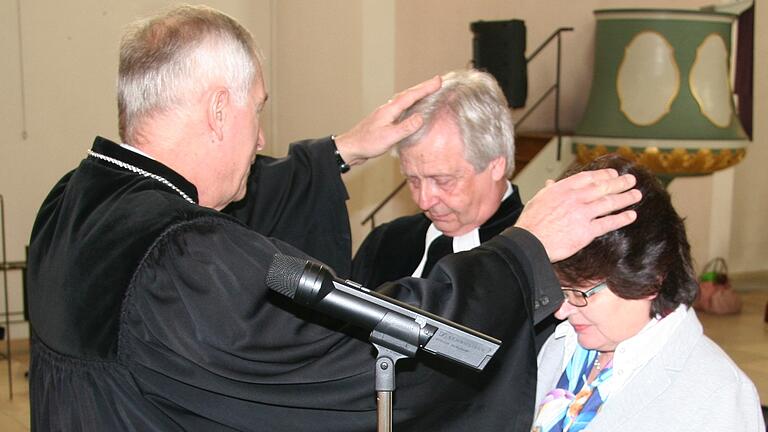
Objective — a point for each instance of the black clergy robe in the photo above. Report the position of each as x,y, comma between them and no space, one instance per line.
300,200
149,312
393,250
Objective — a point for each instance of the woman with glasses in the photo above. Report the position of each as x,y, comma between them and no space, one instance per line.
631,354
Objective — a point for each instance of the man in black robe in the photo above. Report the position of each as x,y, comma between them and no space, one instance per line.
457,166
148,307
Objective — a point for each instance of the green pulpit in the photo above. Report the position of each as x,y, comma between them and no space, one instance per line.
661,92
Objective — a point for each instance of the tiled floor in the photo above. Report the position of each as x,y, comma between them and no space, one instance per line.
744,337
14,413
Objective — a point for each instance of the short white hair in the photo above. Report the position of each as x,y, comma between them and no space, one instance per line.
165,59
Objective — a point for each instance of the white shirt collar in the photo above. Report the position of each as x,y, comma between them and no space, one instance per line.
632,354
508,192
461,243
135,150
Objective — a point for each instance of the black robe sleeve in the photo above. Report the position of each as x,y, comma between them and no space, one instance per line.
301,200
203,335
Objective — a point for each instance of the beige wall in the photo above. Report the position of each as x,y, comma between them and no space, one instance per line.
328,63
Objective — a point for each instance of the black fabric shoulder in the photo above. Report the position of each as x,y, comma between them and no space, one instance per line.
391,251
300,199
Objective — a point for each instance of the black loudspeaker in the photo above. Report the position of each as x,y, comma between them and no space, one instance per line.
498,47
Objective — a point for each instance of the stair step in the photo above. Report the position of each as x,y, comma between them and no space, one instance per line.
527,145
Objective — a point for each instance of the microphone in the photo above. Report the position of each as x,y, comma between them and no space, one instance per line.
393,324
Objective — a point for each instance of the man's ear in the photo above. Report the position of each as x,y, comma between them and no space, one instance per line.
218,106
498,168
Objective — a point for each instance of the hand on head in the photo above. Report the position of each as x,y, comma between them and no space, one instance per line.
567,215
379,131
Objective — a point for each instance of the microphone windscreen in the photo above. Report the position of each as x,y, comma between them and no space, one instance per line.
284,273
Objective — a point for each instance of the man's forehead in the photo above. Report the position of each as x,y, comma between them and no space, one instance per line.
427,163
258,84
442,145
259,91
262,100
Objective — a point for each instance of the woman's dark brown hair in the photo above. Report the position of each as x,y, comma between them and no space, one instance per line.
649,256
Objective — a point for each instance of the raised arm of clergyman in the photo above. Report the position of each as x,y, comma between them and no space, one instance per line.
567,215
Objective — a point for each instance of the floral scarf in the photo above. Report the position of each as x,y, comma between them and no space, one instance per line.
574,402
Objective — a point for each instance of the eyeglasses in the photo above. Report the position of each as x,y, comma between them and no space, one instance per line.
579,298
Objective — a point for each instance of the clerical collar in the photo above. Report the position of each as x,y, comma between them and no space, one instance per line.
461,243
135,150
134,160
508,192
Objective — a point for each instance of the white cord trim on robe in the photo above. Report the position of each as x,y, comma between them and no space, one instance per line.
140,171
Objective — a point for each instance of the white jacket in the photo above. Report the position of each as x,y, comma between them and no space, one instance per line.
690,385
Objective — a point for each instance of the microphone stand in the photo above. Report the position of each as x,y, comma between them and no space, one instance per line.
394,338
399,330
385,386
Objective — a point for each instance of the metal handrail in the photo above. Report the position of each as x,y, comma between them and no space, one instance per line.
5,294
535,105
544,44
371,216
555,87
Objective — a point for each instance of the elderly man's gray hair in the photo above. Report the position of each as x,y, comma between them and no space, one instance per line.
476,103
